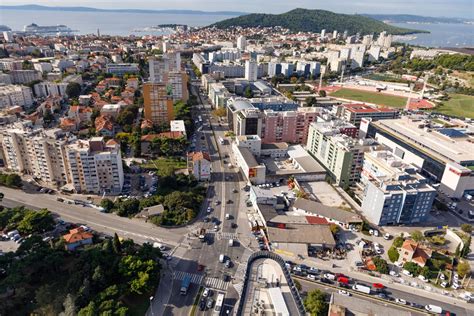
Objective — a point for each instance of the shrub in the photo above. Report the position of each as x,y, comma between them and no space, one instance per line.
412,267
393,254
398,242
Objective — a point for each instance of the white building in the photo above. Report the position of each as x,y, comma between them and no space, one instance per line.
12,95
199,165
178,126
111,110
43,67
122,69
242,43
251,70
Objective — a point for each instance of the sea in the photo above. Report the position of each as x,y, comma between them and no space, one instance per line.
111,23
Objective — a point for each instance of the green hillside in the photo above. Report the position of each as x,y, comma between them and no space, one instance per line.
303,20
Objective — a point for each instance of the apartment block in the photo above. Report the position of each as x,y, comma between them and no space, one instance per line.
25,76
177,82
158,103
394,192
13,95
340,154
95,166
353,113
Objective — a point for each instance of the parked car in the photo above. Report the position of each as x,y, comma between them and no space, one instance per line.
400,301
202,305
311,277
345,293
206,292
422,278
387,236
393,273
408,273
210,303
444,284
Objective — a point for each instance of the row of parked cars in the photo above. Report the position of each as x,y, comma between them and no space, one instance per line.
341,280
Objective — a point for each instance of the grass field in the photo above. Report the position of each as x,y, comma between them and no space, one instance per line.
165,163
371,97
458,105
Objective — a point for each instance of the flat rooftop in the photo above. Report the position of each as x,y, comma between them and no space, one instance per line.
437,143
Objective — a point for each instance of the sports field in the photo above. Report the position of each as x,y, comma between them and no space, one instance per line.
458,105
371,97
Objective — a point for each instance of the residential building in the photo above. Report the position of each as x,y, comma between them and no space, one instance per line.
253,171
178,126
251,70
158,67
25,76
14,95
95,166
340,154
49,88
412,251
354,112
177,82
122,69
393,192
444,154
111,110
158,104
199,165
77,237
242,43
248,122
11,64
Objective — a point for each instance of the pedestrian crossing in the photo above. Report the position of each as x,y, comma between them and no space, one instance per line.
195,278
225,235
216,283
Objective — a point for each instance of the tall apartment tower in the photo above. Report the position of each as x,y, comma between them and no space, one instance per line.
158,67
251,70
158,103
242,43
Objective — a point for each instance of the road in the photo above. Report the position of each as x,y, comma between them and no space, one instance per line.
225,185
137,230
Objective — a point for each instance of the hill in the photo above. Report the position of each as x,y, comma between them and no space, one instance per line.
303,20
34,7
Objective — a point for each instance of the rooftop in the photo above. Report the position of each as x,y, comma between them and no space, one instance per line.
364,108
326,211
437,143
302,234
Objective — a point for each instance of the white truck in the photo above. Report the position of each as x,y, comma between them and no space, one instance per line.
361,288
434,309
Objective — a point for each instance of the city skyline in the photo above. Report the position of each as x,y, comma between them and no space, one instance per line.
437,8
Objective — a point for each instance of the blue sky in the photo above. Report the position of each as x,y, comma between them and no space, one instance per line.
451,8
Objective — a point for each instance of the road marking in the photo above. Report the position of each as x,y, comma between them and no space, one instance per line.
195,278
216,283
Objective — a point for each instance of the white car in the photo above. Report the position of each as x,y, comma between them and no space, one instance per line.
444,284
376,233
455,286
387,236
393,273
408,273
206,292
442,277
297,268
400,301
345,293
422,278
209,209
311,277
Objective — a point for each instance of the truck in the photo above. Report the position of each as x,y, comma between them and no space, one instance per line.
231,242
185,285
361,288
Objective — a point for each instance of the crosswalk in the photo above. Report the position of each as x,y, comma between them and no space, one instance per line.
226,235
216,283
195,278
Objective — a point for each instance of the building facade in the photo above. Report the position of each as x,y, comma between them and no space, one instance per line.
158,104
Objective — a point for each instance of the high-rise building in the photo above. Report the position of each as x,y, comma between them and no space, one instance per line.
340,154
11,95
394,193
323,33
251,70
158,103
158,67
353,113
177,82
241,43
95,166
287,69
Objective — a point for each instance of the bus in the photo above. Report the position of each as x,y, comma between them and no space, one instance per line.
185,285
219,303
221,140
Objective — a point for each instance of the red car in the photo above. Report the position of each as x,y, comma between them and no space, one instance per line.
378,286
200,267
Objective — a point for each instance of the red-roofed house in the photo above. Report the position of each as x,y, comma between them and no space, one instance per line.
68,124
354,112
76,238
411,251
104,126
199,164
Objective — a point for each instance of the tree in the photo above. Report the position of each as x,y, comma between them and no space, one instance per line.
322,93
13,180
393,254
107,204
426,272
48,117
89,310
334,229
117,244
467,228
128,207
315,303
36,222
381,265
126,117
248,92
412,267
310,101
463,268
220,112
398,242
73,90
417,236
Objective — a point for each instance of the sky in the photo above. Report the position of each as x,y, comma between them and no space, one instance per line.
447,8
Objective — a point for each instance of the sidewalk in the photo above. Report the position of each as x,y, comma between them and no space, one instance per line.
370,279
162,294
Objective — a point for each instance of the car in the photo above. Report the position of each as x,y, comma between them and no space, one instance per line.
225,277
209,209
216,228
200,267
327,281
235,190
444,284
233,225
210,303
202,305
217,202
422,278
376,233
407,273
206,219
416,305
297,268
382,296
393,273
442,277
206,292
313,270
359,264
228,264
311,277
455,286
400,301
229,201
343,292
387,236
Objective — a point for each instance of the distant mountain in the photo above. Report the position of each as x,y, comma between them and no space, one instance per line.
303,20
409,18
34,7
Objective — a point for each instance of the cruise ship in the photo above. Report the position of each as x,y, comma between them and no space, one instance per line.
47,30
